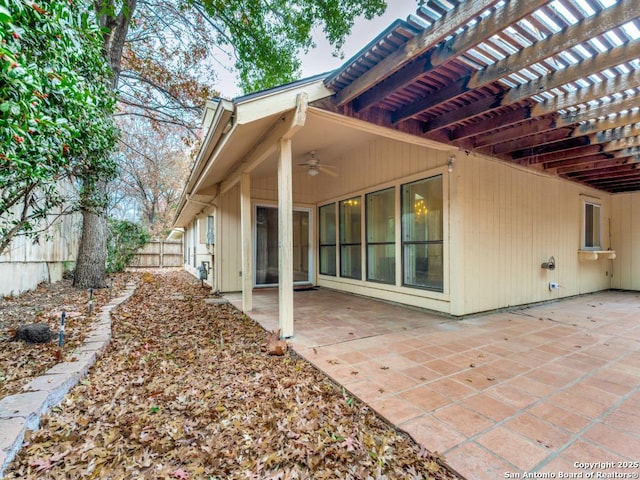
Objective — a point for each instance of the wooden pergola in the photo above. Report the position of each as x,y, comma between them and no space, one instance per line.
550,85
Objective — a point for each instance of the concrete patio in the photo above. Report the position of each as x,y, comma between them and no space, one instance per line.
551,388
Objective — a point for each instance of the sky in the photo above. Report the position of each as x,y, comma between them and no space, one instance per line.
320,60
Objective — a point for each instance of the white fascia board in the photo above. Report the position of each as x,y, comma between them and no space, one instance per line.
220,120
278,101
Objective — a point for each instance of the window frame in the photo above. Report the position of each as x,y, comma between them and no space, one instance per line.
595,204
392,281
342,244
333,206
404,243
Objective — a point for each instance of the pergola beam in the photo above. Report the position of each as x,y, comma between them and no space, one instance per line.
550,129
580,96
445,26
590,27
573,142
596,64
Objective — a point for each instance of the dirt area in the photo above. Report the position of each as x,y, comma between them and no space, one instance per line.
20,362
185,391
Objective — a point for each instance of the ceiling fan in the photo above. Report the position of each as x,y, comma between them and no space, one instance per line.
314,167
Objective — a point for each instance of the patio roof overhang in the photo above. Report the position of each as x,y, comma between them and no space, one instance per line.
549,85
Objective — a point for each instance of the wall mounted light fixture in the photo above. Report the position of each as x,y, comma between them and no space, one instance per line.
450,161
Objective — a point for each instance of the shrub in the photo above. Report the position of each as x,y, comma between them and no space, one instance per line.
124,241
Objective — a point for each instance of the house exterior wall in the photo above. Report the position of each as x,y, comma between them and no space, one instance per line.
374,166
625,226
196,249
228,244
501,223
26,264
508,221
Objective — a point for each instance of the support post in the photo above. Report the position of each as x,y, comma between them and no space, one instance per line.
285,239
246,243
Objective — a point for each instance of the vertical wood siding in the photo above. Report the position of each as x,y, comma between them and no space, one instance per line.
229,238
625,226
511,221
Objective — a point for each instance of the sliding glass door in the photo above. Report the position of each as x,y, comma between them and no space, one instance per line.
266,243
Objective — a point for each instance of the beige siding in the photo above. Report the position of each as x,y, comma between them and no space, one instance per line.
381,161
510,221
625,226
228,238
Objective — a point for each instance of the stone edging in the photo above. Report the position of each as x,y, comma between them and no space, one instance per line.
22,411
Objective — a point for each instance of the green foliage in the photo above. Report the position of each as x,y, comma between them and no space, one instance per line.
56,109
268,35
125,239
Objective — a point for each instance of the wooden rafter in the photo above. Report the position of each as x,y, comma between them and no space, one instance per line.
598,63
580,96
448,24
521,81
546,130
590,27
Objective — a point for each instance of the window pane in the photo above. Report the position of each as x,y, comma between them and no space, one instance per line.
327,234
423,234
350,261
350,238
423,266
328,260
422,210
328,224
381,232
381,263
591,225
381,216
350,221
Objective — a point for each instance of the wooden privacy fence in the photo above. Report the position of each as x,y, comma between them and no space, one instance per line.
158,253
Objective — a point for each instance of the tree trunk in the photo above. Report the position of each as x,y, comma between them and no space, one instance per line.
91,268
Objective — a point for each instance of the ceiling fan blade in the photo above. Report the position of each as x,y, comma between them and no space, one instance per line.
327,170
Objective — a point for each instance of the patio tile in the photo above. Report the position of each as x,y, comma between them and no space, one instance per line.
623,420
396,409
417,356
476,462
581,451
353,357
570,384
511,396
434,435
614,440
368,391
421,373
489,407
518,451
451,388
464,420
425,398
560,417
395,381
531,386
443,367
539,431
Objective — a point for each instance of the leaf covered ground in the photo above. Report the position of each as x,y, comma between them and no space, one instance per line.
20,362
185,392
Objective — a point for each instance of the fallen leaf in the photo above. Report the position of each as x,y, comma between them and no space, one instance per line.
180,474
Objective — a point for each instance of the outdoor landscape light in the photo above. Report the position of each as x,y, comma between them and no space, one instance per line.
450,162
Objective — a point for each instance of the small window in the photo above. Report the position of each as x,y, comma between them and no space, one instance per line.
211,236
592,227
